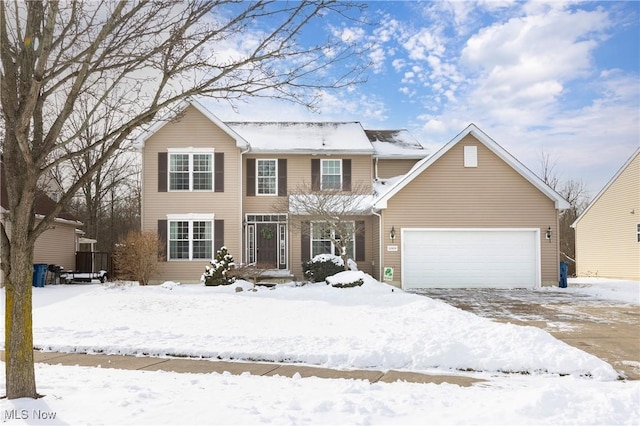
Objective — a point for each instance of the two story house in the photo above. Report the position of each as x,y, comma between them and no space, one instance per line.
470,215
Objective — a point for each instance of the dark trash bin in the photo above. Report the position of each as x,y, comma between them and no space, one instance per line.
39,274
563,274
54,272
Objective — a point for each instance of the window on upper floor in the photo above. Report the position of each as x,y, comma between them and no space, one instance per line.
331,174
190,240
191,171
638,232
267,177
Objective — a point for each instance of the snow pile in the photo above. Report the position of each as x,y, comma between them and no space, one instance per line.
374,326
371,326
619,290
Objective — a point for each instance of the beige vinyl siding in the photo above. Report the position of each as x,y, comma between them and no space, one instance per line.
192,129
492,195
367,265
388,168
299,178
57,246
606,236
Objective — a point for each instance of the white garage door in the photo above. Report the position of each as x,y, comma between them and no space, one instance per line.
492,258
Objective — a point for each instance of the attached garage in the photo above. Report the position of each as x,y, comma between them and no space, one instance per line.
454,257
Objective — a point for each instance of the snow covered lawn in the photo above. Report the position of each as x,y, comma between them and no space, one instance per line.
372,326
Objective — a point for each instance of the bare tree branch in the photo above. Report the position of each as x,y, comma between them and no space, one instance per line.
64,65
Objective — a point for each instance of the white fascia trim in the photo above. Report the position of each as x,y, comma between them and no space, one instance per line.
191,150
190,216
60,220
314,152
240,141
606,187
560,203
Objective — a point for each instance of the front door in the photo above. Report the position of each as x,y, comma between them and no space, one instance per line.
267,244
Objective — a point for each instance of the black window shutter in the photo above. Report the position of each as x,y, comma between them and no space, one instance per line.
360,253
315,174
346,175
218,167
218,234
282,177
305,241
251,177
162,239
162,172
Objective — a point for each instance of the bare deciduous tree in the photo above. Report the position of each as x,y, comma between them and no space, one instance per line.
140,58
332,212
576,194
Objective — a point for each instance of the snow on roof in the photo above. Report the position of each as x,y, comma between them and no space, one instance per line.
395,143
304,137
307,204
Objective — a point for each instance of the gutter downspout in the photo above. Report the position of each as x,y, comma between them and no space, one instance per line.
241,227
380,277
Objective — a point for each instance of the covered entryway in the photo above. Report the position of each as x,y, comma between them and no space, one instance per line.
491,258
267,240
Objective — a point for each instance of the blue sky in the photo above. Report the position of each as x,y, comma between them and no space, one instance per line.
558,77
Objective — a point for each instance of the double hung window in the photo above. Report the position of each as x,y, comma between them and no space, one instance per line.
191,171
325,239
331,175
267,177
190,240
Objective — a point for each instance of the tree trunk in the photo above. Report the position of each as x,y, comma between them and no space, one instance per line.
20,371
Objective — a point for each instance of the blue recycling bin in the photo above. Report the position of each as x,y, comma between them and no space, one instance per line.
39,274
563,274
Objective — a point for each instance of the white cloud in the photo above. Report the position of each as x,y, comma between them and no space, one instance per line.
399,64
349,34
423,43
377,57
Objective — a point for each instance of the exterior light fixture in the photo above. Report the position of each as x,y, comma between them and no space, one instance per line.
549,234
392,234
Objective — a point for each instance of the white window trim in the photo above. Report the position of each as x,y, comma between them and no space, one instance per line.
281,221
333,247
275,177
322,188
190,218
190,151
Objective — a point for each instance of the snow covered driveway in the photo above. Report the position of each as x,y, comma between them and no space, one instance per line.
596,320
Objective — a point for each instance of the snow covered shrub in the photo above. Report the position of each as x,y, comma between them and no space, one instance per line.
346,279
218,272
136,257
322,266
252,272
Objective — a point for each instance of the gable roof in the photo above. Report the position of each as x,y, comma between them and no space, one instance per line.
304,137
43,204
395,144
472,129
240,141
603,190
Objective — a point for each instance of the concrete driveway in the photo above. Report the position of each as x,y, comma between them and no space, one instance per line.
607,329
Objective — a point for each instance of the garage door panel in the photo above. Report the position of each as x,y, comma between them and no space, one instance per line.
469,258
